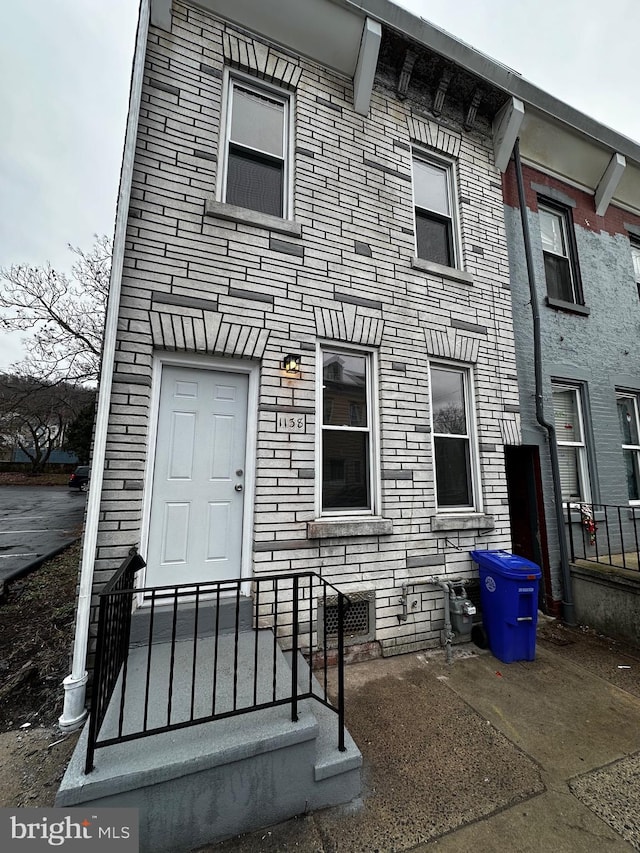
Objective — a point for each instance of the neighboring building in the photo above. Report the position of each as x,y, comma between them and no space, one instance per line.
310,362
584,229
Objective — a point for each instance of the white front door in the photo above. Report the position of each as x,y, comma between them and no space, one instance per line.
195,529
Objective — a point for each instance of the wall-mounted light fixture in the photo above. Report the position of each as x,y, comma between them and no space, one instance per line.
291,363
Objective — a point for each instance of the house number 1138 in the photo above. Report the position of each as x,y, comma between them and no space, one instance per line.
292,423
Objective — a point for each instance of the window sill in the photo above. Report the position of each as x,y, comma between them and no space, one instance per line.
232,213
569,307
349,527
450,273
464,521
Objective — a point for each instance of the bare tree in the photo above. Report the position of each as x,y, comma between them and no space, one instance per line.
34,415
63,314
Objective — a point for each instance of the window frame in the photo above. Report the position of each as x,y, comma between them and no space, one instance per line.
231,78
471,435
448,166
633,448
582,455
635,260
373,430
565,214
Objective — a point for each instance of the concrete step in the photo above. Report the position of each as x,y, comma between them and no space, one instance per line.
211,618
207,782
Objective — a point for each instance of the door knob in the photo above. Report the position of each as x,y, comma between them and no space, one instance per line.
238,487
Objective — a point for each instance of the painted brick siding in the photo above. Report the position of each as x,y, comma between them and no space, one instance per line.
266,294
600,350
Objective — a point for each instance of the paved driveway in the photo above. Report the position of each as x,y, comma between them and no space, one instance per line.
34,522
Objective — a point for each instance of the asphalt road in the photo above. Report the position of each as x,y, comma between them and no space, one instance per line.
36,521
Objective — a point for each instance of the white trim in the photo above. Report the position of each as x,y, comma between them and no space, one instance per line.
448,165
505,129
467,372
288,142
609,183
73,713
250,369
633,448
581,446
543,170
373,412
366,66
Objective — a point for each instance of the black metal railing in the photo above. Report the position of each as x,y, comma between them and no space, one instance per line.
207,651
603,533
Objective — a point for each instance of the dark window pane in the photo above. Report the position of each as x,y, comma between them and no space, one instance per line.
568,464
557,272
453,472
345,470
433,237
632,468
447,396
627,420
344,379
255,182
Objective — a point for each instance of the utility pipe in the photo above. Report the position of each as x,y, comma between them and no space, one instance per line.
445,585
567,604
74,712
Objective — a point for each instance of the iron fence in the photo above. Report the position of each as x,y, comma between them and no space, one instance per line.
208,651
604,533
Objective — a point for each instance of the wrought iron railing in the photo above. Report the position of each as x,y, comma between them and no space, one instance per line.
603,533
203,652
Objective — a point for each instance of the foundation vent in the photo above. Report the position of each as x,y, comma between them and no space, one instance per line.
359,619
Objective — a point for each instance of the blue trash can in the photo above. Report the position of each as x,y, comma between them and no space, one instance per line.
509,598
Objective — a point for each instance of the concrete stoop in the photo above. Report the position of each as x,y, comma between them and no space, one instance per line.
204,783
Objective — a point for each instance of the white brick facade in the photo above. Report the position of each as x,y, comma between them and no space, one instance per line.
198,279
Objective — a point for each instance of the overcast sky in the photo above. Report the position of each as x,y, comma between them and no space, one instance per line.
65,67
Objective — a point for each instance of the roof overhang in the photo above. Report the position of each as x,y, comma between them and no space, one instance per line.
344,35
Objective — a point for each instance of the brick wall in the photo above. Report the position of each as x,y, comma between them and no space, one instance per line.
599,350
199,283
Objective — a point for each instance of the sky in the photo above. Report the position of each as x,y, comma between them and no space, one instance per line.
65,67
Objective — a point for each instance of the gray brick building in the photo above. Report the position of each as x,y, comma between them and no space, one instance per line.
310,360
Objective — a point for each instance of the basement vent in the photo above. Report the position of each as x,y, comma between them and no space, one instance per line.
358,619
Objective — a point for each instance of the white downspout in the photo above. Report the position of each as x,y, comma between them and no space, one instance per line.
74,712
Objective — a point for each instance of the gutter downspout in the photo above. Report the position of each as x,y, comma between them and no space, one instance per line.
74,712
568,605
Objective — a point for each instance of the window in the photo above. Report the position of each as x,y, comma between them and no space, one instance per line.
630,432
347,432
453,445
635,257
434,210
255,174
572,452
560,255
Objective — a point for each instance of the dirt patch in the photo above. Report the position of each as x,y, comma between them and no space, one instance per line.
14,478
36,614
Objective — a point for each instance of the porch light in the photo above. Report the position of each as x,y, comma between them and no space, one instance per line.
291,363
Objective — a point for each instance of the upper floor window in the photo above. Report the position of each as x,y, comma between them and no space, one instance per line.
560,255
629,420
435,212
256,169
572,450
453,437
635,257
347,442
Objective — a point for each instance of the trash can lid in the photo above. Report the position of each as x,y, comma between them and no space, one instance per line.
507,564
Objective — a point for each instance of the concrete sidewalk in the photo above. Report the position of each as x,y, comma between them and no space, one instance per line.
486,756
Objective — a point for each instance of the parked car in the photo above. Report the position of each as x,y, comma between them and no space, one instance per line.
80,478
